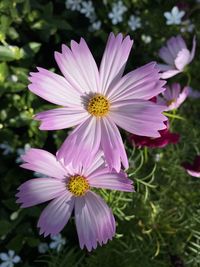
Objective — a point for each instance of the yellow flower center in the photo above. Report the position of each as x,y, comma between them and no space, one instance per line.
98,105
78,185
170,102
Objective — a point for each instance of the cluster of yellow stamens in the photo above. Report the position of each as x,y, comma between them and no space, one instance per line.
98,105
78,185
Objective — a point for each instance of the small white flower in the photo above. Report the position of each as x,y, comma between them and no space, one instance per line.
7,149
134,22
43,248
22,151
96,25
146,38
9,259
174,17
57,243
73,4
88,9
116,15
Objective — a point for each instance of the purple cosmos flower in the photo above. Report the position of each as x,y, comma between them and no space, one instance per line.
173,97
97,100
176,56
194,168
69,188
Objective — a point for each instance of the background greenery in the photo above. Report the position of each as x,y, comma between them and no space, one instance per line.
159,225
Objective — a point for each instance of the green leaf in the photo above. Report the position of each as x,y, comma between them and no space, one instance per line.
4,227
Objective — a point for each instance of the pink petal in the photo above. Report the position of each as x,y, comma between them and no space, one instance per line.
114,60
182,59
142,83
82,144
112,145
53,88
78,67
193,173
175,91
43,162
140,117
183,95
98,163
39,190
61,118
166,56
173,46
180,42
170,73
95,222
56,215
110,180
193,49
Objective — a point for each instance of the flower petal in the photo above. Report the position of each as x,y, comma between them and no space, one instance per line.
166,56
97,163
114,59
4,256
111,180
142,83
193,49
78,66
16,259
61,118
112,145
140,117
43,162
82,144
39,190
94,221
56,215
169,73
182,59
53,88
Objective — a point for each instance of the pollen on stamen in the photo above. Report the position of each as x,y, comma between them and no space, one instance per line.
98,105
78,185
170,102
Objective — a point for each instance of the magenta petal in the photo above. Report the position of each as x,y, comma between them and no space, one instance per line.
41,161
112,145
39,190
95,222
56,215
53,88
61,118
114,60
140,117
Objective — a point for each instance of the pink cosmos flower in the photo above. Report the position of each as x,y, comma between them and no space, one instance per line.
176,56
173,97
95,101
193,169
69,188
166,138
